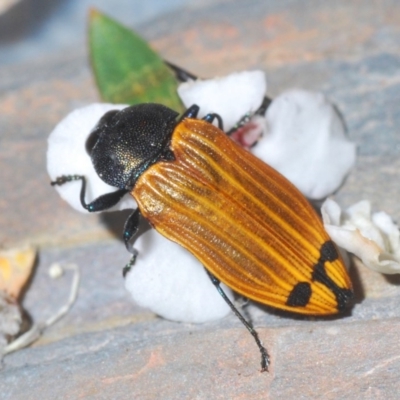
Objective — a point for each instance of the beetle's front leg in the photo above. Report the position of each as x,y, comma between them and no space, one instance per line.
101,203
105,202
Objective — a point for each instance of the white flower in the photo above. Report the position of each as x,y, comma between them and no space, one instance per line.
66,155
305,141
171,282
231,96
374,238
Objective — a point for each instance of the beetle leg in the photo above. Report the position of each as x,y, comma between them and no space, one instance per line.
181,74
102,203
246,118
264,106
131,262
131,228
242,121
191,112
264,354
210,118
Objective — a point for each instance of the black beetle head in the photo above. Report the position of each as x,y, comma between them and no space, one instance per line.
125,143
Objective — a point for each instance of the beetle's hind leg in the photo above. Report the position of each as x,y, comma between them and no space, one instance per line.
265,360
101,203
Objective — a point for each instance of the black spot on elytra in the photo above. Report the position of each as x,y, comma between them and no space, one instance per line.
300,295
329,253
302,291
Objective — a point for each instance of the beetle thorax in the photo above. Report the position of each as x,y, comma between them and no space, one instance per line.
125,143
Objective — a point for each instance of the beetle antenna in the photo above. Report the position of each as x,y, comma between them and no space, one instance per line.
265,360
101,203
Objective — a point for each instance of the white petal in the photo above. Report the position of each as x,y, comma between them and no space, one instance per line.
172,283
385,223
231,96
331,212
359,216
66,155
357,232
306,142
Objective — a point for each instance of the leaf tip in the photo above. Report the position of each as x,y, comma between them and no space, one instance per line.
94,13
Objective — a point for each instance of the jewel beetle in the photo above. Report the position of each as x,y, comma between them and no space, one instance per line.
246,223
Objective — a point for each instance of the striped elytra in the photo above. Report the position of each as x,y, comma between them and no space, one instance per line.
246,223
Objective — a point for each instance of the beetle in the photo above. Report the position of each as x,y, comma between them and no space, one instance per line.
246,223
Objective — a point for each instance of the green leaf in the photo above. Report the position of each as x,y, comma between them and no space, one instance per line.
126,69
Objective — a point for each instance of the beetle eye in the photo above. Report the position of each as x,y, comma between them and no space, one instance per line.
103,123
92,140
